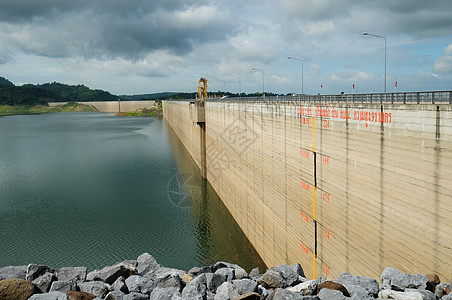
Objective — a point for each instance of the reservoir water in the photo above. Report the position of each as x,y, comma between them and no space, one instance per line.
92,189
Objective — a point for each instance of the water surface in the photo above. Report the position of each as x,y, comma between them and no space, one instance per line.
91,189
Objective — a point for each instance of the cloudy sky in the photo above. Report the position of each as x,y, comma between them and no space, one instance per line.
146,46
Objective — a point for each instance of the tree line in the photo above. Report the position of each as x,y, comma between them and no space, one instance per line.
30,94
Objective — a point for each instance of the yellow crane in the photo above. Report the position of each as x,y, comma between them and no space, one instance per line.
202,89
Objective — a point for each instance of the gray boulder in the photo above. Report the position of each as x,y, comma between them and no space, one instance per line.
200,278
273,279
240,273
97,288
226,291
393,279
115,295
140,284
111,273
63,286
290,275
305,288
195,271
357,292
35,271
386,277
282,294
254,272
370,285
213,281
13,272
136,296
244,286
390,294
249,296
298,270
210,295
195,290
440,289
167,293
170,278
120,285
222,264
227,274
447,297
76,274
426,294
49,296
410,281
146,264
165,271
45,281
327,294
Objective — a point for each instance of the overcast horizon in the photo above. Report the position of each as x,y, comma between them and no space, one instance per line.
143,46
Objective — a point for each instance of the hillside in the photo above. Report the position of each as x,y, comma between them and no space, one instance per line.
30,94
77,92
5,81
25,95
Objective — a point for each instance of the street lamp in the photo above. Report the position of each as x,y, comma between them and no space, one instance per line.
294,58
240,85
381,37
263,89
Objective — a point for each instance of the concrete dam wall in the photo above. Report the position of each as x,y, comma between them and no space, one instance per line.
337,187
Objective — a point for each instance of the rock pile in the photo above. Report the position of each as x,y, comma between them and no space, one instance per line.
144,278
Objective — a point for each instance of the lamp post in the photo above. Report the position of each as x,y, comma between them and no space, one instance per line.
263,84
240,85
294,58
381,37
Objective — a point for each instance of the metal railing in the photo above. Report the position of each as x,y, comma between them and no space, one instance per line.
432,97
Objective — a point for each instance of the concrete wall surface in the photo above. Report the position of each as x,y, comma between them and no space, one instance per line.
338,188
113,106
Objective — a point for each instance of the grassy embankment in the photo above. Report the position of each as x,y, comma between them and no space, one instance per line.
38,109
156,110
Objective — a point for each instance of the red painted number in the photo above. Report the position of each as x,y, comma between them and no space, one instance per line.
305,185
326,269
304,153
326,233
326,123
304,217
326,161
305,249
326,197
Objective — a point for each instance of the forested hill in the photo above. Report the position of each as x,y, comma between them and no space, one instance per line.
77,92
25,95
5,81
30,94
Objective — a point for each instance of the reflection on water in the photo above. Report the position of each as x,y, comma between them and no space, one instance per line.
218,235
91,189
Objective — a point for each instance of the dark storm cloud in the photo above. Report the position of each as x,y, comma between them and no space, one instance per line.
112,28
27,10
420,19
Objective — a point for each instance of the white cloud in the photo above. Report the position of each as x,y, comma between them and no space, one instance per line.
315,70
444,63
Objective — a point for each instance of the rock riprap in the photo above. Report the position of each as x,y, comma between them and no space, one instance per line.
144,278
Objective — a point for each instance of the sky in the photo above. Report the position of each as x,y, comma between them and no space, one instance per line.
149,46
